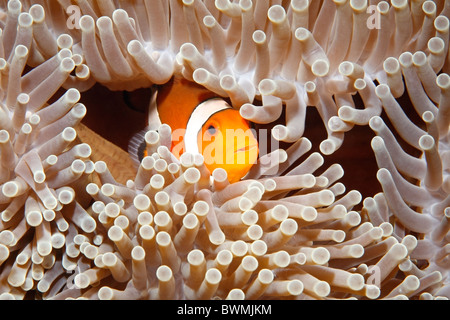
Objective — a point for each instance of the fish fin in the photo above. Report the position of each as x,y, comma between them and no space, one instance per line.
137,146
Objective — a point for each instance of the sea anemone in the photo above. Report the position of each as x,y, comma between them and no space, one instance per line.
289,229
44,168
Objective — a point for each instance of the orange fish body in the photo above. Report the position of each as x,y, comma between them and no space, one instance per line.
203,123
177,99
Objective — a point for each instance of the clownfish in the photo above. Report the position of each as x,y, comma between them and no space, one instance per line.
203,123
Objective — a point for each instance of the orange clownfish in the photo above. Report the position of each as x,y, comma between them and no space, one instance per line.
203,123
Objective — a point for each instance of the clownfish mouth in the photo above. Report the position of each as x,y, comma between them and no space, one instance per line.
246,148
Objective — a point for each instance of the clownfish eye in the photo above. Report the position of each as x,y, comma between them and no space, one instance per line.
212,130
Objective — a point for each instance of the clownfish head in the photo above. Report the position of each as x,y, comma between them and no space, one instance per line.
227,141
221,136
203,124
